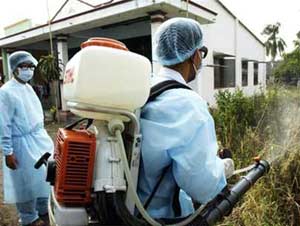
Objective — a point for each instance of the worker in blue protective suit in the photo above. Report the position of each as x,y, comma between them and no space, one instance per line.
178,129
23,141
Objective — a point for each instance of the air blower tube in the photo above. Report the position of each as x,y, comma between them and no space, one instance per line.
221,206
229,199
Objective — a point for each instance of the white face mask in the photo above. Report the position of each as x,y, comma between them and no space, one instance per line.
25,74
197,71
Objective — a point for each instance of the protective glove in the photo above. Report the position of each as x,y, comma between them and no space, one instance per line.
228,167
225,153
11,161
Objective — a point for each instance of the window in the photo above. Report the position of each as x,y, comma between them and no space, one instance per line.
224,72
255,82
244,73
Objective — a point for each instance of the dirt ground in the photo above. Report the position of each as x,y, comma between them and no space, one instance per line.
8,214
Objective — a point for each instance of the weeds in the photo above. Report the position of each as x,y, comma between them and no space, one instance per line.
267,125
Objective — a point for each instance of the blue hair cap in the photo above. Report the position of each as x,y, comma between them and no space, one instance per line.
177,40
20,57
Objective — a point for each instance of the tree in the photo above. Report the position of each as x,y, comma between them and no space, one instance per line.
297,41
274,44
289,68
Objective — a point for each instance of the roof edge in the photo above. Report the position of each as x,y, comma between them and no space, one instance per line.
66,18
96,9
201,7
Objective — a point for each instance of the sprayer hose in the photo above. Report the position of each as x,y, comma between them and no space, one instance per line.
135,197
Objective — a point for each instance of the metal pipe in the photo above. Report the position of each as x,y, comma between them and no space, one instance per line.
96,6
57,12
107,110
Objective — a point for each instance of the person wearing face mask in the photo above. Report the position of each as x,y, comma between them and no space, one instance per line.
179,139
23,141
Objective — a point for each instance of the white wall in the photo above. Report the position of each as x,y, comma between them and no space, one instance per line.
228,36
251,49
219,38
220,35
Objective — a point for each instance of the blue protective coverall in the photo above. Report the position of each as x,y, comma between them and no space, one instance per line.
23,133
178,129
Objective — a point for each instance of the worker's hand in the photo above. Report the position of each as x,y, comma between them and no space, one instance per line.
11,161
228,167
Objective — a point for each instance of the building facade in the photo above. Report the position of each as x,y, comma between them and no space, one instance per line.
235,57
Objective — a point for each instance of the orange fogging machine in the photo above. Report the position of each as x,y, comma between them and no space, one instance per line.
71,170
74,156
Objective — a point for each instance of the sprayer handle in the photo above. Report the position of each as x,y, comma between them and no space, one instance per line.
42,160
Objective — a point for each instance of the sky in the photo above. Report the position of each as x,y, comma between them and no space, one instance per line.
255,14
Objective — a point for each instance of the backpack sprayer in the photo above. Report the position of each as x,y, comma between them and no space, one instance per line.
89,163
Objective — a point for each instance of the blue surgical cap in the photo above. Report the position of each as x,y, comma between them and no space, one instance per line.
20,57
177,40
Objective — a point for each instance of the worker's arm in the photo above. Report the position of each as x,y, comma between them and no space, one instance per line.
180,131
6,117
196,167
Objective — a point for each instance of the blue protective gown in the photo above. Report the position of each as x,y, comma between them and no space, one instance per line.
23,133
178,129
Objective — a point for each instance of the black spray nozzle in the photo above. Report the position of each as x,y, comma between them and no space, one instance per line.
228,199
264,164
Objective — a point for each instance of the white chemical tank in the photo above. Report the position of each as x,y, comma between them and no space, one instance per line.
105,74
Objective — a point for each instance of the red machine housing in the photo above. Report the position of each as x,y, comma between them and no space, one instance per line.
75,157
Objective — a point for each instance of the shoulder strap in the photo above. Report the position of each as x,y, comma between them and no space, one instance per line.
149,199
164,86
155,92
175,200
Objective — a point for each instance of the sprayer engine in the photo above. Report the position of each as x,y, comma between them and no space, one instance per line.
75,157
70,173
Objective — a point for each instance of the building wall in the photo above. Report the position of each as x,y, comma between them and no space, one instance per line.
220,35
250,49
229,37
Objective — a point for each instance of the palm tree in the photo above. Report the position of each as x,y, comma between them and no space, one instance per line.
274,44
